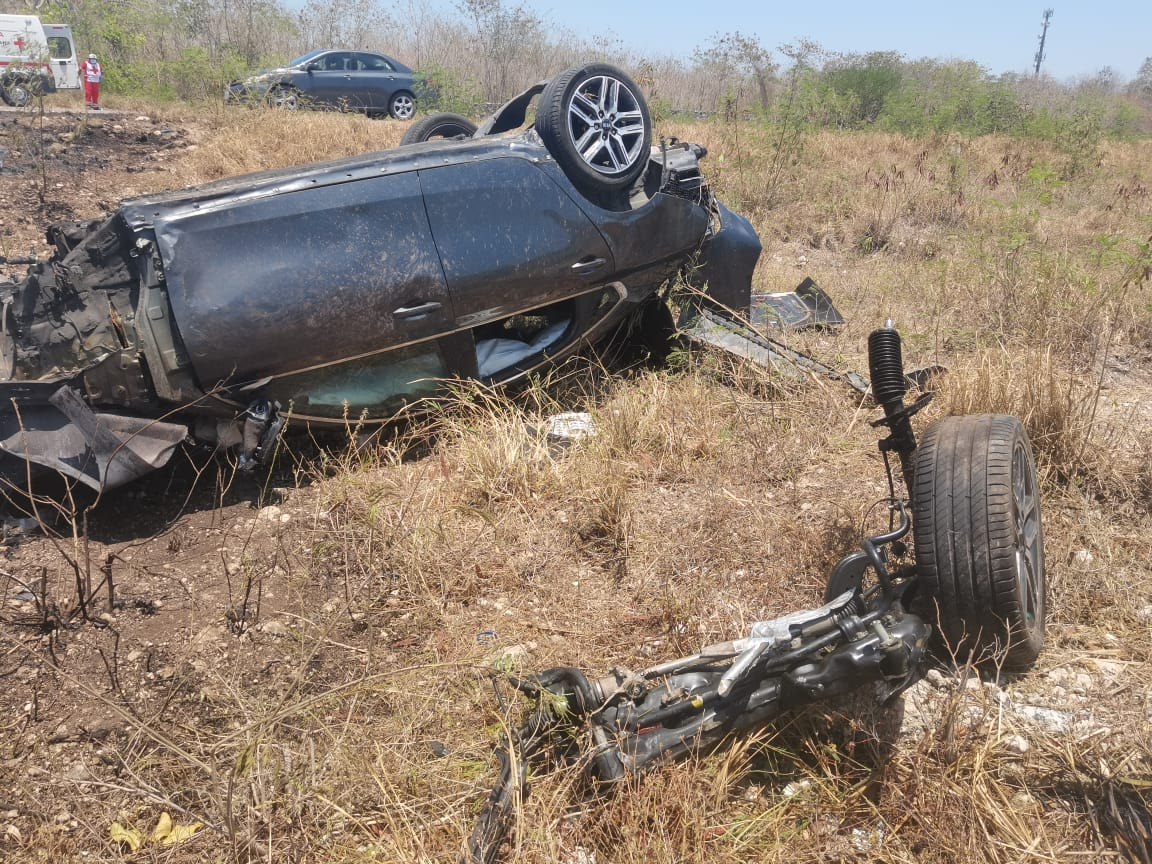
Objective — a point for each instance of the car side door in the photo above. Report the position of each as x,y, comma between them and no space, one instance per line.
510,239
328,80
377,80
336,287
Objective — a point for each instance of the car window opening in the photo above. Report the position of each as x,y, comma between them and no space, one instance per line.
375,386
495,354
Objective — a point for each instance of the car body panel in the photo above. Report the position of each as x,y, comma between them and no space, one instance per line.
533,243
303,278
338,292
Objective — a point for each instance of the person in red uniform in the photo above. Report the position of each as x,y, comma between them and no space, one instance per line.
91,71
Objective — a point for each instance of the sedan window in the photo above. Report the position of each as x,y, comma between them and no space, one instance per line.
366,388
338,62
374,63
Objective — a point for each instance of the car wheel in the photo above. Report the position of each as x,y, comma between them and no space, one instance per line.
287,98
402,106
596,125
979,541
442,125
17,94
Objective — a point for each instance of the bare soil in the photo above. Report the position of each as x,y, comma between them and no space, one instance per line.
155,560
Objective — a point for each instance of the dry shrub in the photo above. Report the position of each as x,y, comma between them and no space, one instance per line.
257,139
1057,407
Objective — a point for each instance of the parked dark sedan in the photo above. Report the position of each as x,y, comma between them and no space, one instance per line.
348,80
344,290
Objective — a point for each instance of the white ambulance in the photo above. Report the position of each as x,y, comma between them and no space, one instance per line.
35,58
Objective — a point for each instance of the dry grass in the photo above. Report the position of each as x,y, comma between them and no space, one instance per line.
706,501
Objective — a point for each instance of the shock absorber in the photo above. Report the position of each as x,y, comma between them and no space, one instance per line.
886,369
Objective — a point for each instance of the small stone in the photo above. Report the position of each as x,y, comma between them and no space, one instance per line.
275,629
796,787
515,655
1017,744
1082,559
1053,721
937,679
100,729
62,818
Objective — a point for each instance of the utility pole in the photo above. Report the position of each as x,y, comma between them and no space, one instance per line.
1043,36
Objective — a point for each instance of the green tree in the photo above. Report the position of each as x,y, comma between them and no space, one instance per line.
869,80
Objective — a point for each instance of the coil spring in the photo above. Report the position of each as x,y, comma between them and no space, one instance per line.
886,366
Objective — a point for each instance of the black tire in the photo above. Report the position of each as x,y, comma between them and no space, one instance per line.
979,540
17,93
402,105
441,125
285,98
595,123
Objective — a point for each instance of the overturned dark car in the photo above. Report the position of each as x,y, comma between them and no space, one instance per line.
343,290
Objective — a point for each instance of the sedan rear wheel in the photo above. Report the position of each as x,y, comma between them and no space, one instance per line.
596,124
402,106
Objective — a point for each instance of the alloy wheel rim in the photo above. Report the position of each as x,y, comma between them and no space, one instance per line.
606,125
1029,551
403,107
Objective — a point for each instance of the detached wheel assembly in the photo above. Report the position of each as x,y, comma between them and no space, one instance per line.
441,125
979,542
596,125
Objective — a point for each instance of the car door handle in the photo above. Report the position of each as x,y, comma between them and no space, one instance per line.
417,311
587,266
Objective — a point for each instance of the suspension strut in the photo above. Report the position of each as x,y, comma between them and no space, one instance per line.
886,369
